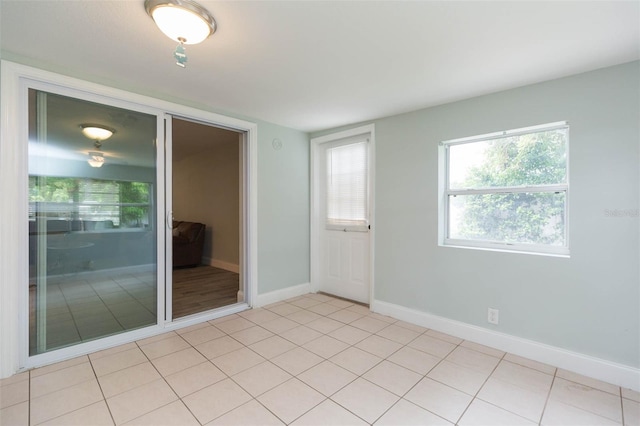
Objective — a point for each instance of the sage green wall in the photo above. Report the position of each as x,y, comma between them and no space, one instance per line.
283,208
588,303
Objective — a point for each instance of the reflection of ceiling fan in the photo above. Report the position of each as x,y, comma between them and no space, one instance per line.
98,134
97,158
54,152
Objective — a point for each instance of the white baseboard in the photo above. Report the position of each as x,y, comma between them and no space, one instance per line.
279,295
227,266
607,371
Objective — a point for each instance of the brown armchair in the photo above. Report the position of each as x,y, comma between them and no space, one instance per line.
188,242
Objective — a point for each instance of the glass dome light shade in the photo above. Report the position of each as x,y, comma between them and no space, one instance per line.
96,133
96,159
181,20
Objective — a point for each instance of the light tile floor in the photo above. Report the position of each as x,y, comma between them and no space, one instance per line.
311,360
93,305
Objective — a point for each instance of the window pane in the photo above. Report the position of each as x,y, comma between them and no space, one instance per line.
102,203
531,159
524,218
347,192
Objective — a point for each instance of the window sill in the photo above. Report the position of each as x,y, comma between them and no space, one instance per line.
561,252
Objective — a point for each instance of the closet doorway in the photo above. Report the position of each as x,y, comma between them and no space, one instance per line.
207,172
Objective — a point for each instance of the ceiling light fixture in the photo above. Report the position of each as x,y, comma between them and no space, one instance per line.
184,21
96,132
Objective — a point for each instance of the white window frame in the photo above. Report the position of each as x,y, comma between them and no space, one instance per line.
445,192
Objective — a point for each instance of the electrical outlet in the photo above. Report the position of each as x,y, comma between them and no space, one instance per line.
493,316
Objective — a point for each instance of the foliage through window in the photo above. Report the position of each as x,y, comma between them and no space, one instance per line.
508,190
122,204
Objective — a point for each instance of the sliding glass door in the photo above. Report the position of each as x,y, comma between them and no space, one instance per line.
93,208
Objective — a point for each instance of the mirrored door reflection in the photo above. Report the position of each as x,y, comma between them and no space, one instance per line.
92,230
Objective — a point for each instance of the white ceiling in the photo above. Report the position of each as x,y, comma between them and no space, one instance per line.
313,65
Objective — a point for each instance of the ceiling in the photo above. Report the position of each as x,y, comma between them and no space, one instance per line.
313,65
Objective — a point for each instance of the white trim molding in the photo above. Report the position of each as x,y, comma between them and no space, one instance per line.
315,219
13,225
216,263
282,294
597,368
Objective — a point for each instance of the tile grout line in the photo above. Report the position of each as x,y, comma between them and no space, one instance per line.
180,398
328,398
596,389
104,398
475,396
361,376
67,387
29,404
519,387
227,376
255,398
386,359
621,404
73,317
312,408
546,402
165,381
424,376
109,309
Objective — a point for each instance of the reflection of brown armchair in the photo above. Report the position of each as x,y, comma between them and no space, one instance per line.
188,242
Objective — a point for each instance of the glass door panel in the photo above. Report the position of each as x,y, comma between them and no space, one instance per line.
92,213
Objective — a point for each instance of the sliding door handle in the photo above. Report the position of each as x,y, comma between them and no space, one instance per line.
170,220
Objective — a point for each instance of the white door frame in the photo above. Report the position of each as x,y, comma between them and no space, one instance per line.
316,216
13,210
246,246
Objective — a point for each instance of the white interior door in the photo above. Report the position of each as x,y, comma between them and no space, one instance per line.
341,221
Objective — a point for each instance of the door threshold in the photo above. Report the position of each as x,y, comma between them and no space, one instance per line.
207,316
345,299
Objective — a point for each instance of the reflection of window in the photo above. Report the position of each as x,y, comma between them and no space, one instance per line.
507,190
98,203
347,186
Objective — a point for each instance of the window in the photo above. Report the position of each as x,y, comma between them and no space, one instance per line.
507,190
97,203
347,186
